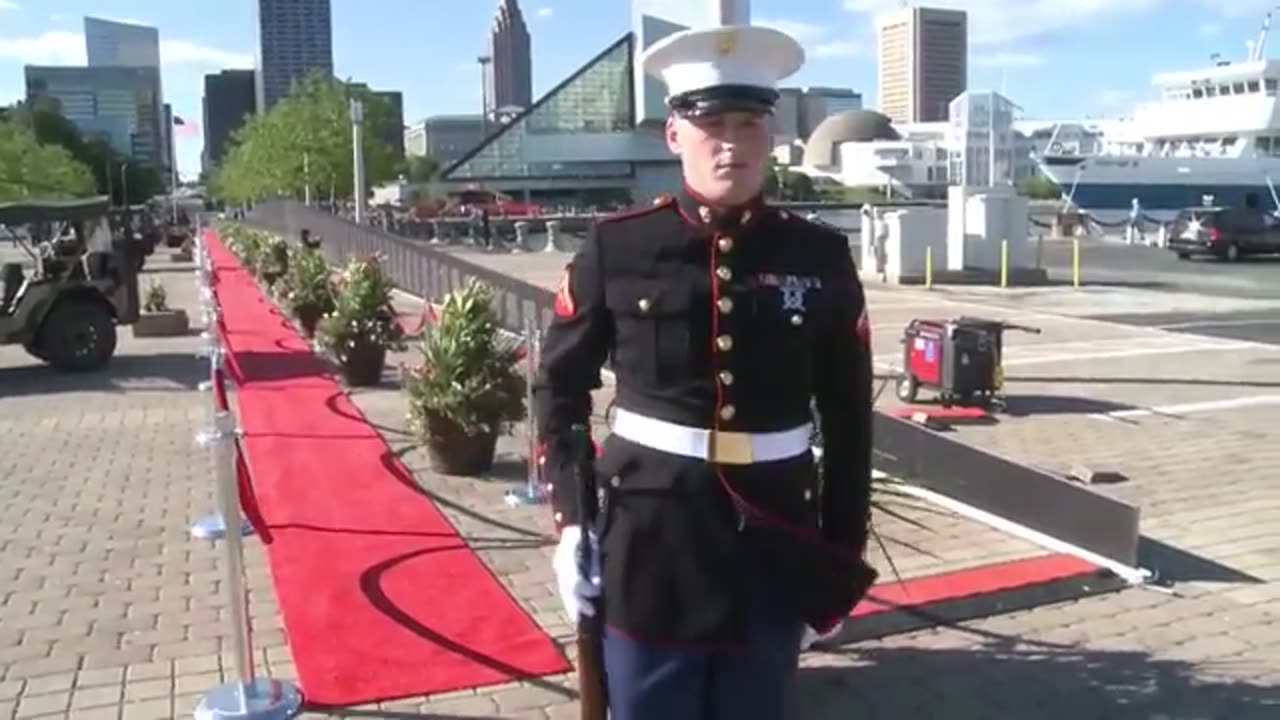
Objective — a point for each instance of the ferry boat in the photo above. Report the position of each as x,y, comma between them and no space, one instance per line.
1213,136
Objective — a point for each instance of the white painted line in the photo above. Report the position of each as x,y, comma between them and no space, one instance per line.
1213,324
1192,408
1135,352
1131,575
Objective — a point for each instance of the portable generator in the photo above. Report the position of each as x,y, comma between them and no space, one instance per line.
960,359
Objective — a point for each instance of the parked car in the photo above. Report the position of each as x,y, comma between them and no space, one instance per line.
1227,233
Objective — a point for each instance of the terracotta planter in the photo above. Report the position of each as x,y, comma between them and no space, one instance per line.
308,318
363,364
452,451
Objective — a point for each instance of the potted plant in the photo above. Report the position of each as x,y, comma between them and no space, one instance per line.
157,318
272,260
362,326
468,388
308,289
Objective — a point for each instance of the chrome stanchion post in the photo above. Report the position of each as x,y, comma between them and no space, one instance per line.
212,526
534,490
246,696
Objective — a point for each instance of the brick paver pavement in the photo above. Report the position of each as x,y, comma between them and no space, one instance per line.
109,610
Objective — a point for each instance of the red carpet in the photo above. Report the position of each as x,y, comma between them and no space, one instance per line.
381,598
971,582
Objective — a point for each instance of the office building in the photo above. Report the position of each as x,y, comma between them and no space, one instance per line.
120,104
800,110
115,44
229,98
923,62
510,71
443,138
391,128
110,43
295,38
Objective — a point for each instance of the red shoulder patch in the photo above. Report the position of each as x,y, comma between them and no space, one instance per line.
565,306
863,328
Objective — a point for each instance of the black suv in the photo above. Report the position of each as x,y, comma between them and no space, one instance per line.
1224,232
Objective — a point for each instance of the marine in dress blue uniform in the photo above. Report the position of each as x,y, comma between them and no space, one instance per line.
723,326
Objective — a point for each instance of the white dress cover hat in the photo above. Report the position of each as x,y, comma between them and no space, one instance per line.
714,70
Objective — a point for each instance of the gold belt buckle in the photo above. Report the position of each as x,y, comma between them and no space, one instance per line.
731,448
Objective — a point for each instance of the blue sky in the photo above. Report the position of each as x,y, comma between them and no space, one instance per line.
1058,59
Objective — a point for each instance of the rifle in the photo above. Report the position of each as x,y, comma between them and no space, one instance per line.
593,693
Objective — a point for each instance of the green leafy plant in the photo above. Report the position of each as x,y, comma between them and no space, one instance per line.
362,313
468,375
308,285
272,261
157,298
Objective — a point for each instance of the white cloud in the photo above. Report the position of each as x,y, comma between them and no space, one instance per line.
61,47
839,48
56,47
8,5
818,40
1008,59
546,12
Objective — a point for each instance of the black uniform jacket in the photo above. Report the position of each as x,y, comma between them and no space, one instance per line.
730,319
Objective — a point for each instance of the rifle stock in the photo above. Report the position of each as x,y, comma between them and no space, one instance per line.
593,695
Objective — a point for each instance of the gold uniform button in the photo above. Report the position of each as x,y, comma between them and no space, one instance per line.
727,412
797,320
725,343
615,481
726,377
725,305
644,304
559,518
704,212
784,214
746,217
808,494
724,273
725,244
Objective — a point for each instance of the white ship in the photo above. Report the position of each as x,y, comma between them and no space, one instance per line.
1214,132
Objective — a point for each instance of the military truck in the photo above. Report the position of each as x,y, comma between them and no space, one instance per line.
77,283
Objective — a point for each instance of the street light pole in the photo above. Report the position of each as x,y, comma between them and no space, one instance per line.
124,184
357,156
484,61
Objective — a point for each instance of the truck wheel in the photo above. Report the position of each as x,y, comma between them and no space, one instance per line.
77,336
907,388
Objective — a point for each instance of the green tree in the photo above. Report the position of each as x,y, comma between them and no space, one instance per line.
44,118
29,168
305,141
421,168
1039,187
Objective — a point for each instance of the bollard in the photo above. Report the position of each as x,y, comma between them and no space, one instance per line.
245,696
928,268
1075,262
553,236
437,235
522,235
1004,263
213,526
1040,251
534,490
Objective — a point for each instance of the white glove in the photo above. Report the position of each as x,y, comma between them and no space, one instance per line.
576,592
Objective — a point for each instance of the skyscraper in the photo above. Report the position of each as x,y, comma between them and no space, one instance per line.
295,38
510,81
109,43
229,98
115,44
923,62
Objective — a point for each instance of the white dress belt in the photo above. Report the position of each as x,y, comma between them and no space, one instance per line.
736,448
